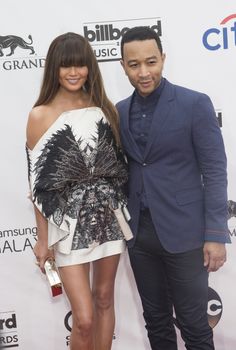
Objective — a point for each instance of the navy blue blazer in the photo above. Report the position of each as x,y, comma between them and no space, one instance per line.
183,170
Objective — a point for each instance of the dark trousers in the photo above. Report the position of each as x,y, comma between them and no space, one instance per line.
167,281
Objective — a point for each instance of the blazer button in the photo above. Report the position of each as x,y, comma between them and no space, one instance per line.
144,164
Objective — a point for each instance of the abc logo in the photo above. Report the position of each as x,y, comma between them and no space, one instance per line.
214,311
215,308
68,325
67,321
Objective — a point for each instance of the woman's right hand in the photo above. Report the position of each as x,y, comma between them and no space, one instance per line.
42,253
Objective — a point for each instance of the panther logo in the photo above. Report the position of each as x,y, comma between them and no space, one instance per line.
231,209
13,42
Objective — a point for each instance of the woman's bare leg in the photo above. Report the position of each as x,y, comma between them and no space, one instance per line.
104,273
77,287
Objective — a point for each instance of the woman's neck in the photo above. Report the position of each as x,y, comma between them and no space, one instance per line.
71,100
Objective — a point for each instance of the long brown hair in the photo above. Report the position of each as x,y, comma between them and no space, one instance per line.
72,49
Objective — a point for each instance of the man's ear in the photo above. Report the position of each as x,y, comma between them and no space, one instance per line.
122,63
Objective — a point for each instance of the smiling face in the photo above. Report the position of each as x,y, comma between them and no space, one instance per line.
73,78
143,64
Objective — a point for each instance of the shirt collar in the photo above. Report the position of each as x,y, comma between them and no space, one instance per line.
152,97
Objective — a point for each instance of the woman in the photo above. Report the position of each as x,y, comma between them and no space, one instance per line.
77,172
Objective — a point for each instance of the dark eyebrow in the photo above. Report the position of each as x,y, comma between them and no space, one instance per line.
132,61
147,59
152,57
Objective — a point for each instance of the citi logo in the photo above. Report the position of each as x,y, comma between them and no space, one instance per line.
222,37
105,36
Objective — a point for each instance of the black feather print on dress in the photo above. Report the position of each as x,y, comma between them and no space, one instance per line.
110,161
59,165
81,182
29,164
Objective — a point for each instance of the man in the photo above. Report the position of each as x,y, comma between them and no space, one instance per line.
177,195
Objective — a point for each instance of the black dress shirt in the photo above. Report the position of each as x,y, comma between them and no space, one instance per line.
141,115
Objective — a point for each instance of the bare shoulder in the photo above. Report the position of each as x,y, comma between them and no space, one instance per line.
37,125
37,114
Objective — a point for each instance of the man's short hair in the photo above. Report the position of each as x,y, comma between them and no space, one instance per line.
140,33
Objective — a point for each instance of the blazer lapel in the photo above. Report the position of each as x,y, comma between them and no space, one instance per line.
161,115
126,136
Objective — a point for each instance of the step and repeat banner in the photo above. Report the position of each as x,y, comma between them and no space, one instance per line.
199,39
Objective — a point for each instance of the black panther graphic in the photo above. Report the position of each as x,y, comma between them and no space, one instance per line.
13,41
231,209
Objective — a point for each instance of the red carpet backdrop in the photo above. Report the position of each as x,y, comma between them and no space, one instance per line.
199,38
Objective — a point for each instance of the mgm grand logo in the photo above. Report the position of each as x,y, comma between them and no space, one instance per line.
10,45
13,41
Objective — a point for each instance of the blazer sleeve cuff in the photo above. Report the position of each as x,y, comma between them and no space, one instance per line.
217,236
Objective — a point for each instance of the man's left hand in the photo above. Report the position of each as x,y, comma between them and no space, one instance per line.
214,255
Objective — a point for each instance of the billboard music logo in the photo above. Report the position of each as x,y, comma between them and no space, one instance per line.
12,45
8,330
222,36
105,37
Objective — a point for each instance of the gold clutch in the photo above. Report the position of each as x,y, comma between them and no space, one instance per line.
53,277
